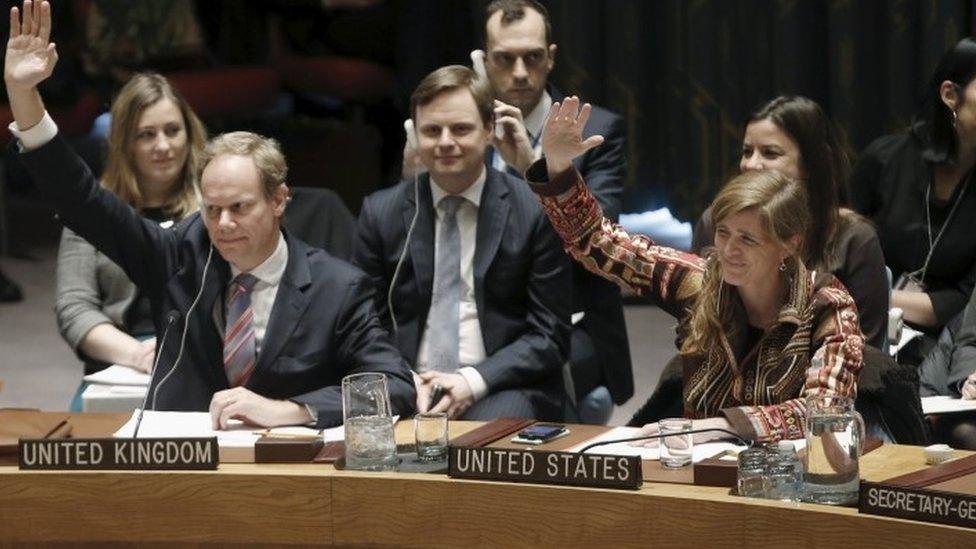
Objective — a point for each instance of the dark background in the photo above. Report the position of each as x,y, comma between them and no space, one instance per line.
683,73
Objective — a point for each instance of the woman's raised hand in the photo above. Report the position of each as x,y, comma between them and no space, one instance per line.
31,55
562,138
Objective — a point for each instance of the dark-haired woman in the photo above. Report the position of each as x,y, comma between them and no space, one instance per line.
916,186
792,135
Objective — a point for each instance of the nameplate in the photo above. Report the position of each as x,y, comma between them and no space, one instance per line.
568,468
136,454
918,504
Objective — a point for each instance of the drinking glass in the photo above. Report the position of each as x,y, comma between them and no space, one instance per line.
676,451
430,431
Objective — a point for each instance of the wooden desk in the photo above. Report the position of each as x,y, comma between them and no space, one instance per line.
315,504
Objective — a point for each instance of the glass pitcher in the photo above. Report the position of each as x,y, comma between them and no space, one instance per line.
370,445
835,439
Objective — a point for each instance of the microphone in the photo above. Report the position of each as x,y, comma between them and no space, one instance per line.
744,442
171,318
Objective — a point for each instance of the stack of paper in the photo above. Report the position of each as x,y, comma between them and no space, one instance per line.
946,405
119,375
699,452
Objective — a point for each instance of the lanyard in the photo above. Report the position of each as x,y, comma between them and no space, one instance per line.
948,219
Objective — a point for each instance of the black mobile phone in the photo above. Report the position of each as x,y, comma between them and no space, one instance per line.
542,431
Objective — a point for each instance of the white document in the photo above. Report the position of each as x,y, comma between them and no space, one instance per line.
699,452
188,424
907,334
198,424
118,375
946,405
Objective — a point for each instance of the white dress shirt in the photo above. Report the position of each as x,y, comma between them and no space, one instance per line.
35,136
534,124
471,345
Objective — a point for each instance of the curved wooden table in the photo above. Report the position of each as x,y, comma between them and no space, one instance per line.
317,505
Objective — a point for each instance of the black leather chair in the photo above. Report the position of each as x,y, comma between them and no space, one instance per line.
321,219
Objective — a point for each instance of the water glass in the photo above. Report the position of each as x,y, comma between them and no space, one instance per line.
430,430
676,451
784,474
751,472
370,444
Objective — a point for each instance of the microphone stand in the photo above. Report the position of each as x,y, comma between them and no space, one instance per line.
744,442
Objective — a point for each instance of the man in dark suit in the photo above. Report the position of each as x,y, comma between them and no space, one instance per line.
478,276
262,329
519,55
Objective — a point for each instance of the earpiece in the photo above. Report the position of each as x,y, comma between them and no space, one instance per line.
411,133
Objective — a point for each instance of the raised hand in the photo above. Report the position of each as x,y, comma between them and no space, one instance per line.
562,138
31,55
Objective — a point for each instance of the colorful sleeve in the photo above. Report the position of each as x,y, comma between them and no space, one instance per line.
833,370
634,263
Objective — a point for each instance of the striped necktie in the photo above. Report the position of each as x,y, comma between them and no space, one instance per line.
239,344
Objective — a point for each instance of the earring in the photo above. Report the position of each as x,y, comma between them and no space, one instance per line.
954,119
782,266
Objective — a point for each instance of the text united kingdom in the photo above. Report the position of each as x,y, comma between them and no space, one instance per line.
119,453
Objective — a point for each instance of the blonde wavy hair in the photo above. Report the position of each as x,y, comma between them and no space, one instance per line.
142,91
783,213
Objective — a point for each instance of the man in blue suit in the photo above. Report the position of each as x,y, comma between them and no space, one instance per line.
519,55
475,279
255,324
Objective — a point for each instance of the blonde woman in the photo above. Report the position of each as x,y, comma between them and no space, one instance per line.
757,331
153,148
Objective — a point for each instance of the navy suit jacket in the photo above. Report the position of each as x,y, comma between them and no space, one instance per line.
322,326
604,168
521,278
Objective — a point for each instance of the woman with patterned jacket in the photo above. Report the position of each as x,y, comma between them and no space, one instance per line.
758,333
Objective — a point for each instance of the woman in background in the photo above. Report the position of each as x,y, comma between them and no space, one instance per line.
153,148
916,187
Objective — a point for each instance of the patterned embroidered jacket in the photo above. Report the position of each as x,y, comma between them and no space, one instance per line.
814,348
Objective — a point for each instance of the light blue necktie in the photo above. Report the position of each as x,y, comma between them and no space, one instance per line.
443,319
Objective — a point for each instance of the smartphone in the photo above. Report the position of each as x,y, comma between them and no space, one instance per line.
540,433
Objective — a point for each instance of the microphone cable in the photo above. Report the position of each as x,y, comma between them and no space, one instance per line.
403,252
186,325
735,436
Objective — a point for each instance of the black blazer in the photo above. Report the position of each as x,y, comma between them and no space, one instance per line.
322,326
521,277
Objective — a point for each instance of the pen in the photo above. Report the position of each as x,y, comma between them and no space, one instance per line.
267,433
61,429
435,396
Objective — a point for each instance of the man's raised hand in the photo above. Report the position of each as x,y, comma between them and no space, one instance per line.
31,56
